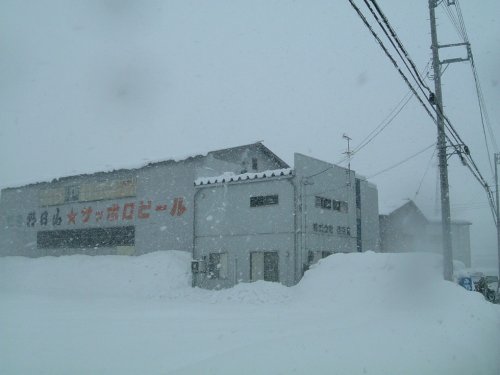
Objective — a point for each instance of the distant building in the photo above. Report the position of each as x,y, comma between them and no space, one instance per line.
242,212
406,229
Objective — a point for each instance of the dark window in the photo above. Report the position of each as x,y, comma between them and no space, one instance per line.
359,243
86,238
214,265
255,164
323,203
263,200
340,206
344,231
271,272
72,194
217,266
358,193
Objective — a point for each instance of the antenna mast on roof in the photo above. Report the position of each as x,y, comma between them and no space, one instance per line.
348,154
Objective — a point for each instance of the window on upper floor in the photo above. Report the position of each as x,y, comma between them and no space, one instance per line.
72,193
324,203
264,200
255,164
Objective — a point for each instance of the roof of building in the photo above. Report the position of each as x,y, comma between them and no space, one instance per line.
216,153
231,177
391,210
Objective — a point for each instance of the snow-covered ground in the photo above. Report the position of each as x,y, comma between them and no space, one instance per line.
351,314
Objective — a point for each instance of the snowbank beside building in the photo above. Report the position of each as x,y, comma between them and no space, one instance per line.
351,314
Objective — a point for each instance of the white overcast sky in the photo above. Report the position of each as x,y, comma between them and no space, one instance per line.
93,85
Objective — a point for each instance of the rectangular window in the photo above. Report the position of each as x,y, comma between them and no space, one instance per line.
255,164
263,200
86,238
324,203
344,231
217,266
340,206
72,193
358,193
359,242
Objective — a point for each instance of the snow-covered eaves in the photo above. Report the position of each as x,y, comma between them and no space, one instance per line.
231,177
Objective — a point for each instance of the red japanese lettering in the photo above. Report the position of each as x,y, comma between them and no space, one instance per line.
128,211
178,208
86,212
99,215
143,208
113,212
161,207
72,217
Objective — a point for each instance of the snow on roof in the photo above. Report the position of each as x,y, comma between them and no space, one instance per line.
231,177
130,167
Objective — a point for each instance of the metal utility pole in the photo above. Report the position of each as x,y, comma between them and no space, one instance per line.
441,145
497,161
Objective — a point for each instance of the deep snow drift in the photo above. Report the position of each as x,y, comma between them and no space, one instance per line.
351,314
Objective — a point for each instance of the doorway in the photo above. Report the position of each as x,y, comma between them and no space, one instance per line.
264,265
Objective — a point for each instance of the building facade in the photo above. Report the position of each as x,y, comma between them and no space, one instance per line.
407,229
272,226
259,219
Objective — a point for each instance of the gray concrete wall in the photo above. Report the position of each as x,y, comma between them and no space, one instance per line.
318,226
226,223
160,208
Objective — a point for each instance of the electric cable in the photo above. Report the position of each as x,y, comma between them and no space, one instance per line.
467,160
402,161
398,41
425,173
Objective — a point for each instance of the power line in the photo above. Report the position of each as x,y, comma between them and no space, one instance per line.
425,173
402,161
386,121
459,146
396,38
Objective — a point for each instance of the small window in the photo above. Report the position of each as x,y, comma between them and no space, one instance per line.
340,206
255,165
264,200
217,266
344,231
324,203
72,194
343,207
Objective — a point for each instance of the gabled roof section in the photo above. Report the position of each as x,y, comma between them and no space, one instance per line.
257,146
408,207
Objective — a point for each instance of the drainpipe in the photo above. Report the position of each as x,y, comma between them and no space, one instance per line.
295,233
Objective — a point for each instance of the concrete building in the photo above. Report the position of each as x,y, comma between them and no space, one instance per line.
272,226
406,229
259,219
